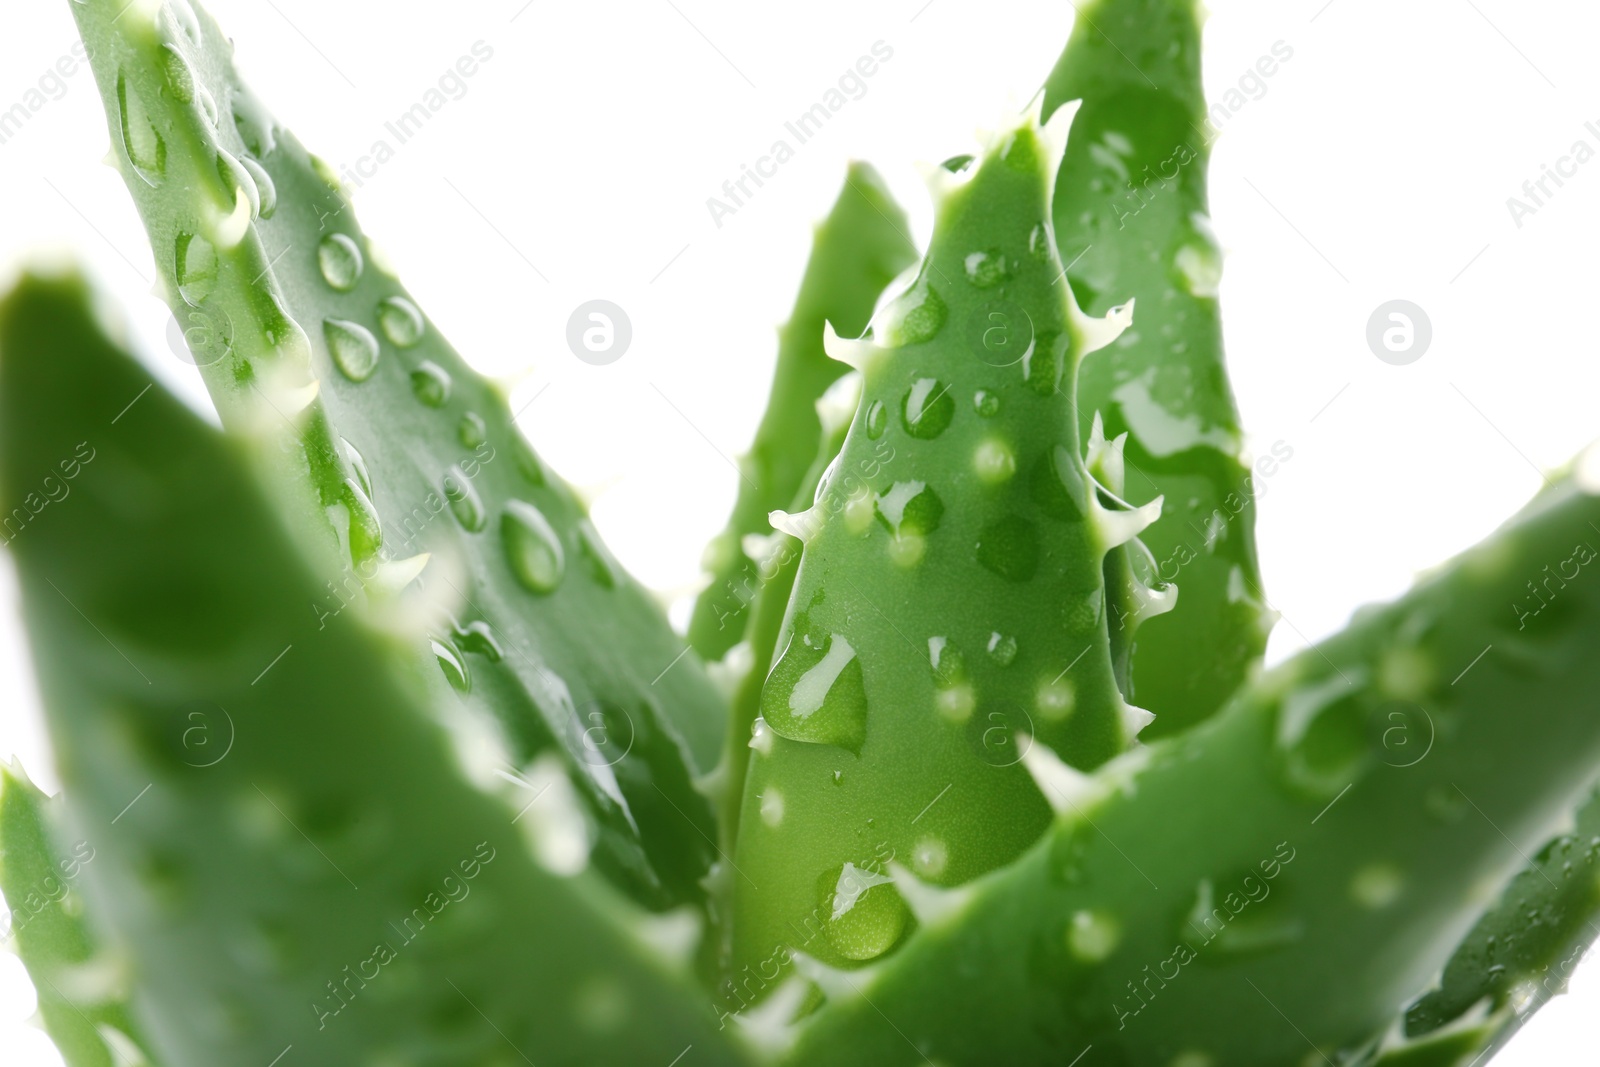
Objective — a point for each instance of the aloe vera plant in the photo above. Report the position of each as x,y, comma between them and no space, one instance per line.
995,774
310,346
1132,221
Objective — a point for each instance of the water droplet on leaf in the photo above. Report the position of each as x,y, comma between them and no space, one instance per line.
140,141
354,349
817,694
195,269
866,914
877,420
532,547
928,408
453,666
471,430
986,269
400,320
465,503
430,383
340,260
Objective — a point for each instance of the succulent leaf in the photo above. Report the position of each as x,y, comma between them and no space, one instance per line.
855,252
383,440
949,597
80,1004
1276,885
1131,220
1518,955
331,882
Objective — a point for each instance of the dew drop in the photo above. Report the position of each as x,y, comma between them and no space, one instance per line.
1055,699
195,268
477,637
986,403
993,461
400,321
431,384
914,317
532,547
1002,648
1377,885
877,420
471,430
1009,547
366,530
340,261
929,857
772,807
954,698
178,74
986,269
949,665
266,189
353,347
144,147
928,408
208,105
866,914
235,179
465,503
255,125
453,666
817,694
910,509
183,15
1092,935
357,464
1236,926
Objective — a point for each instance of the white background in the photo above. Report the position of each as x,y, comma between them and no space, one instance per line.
1376,165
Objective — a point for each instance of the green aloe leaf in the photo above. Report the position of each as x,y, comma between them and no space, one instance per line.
949,596
855,252
1276,885
1132,221
396,448
1518,956
82,1008
330,885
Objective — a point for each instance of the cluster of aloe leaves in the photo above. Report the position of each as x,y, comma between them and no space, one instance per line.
373,754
